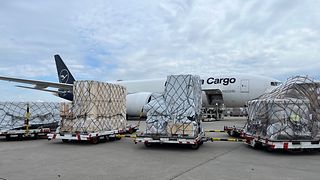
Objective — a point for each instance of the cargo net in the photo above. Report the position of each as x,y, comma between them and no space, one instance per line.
289,112
13,115
96,107
177,110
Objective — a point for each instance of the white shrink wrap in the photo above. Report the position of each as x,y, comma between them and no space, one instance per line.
288,112
41,114
177,110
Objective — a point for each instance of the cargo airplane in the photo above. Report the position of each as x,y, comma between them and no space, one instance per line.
234,90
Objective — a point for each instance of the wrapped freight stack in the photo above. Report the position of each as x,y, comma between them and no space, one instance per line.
97,107
14,114
176,112
26,118
290,112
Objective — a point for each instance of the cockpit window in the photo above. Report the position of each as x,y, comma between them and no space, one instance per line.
275,83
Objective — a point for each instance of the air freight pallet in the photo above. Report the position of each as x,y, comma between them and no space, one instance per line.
20,134
292,145
149,140
94,137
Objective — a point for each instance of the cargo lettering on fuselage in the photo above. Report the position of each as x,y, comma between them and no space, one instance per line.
224,81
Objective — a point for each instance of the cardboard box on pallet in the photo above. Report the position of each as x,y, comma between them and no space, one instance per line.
177,110
286,113
185,129
97,106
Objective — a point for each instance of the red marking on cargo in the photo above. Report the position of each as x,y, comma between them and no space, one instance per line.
188,142
285,146
89,137
54,136
78,137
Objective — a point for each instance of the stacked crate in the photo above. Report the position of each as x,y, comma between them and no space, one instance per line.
97,106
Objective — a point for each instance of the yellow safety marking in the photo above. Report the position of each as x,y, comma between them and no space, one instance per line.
229,139
125,136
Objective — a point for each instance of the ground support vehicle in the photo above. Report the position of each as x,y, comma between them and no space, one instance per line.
149,140
287,145
21,134
93,137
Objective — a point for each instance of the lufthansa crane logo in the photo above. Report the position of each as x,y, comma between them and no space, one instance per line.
64,76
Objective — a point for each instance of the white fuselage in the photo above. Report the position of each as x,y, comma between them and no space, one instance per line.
236,89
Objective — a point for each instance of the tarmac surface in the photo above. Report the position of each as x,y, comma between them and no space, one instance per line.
43,159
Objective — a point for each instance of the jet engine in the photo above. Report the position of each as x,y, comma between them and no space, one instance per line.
135,103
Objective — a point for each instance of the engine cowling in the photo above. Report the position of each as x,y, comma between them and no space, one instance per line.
135,103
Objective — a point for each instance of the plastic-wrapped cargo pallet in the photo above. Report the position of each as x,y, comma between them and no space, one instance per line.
97,106
289,112
177,110
42,114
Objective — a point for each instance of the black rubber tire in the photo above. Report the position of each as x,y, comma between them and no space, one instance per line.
147,144
104,139
195,146
200,143
35,136
20,137
65,140
8,137
95,140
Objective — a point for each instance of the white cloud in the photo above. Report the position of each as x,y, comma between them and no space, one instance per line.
123,39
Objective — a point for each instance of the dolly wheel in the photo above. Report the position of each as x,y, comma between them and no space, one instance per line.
147,144
8,137
195,146
200,143
35,136
20,137
65,140
95,140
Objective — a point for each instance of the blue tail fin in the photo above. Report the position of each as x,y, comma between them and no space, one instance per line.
64,75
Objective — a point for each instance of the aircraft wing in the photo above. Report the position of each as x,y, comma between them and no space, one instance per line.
39,85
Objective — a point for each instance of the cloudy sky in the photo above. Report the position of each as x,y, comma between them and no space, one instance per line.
137,39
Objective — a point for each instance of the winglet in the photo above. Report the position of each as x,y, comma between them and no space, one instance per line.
64,75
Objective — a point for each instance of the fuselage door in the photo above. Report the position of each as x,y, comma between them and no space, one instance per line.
244,87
